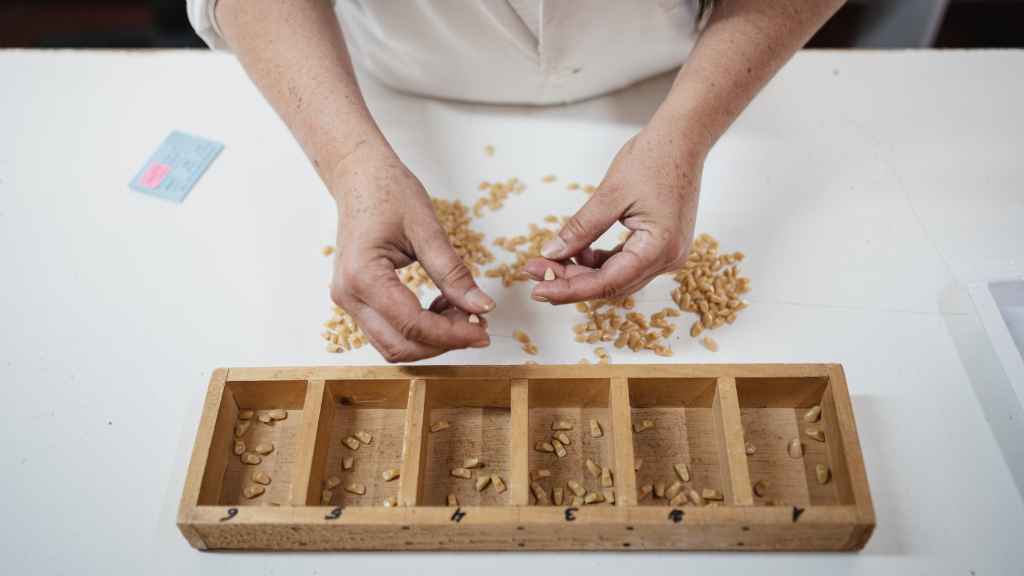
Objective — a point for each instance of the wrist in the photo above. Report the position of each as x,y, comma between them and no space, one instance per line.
679,135
366,154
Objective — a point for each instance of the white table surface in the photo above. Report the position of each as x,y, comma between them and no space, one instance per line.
865,189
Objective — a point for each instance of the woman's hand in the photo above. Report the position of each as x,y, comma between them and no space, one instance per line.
385,222
652,187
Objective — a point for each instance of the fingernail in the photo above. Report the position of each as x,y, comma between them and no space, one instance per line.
539,298
481,343
477,298
552,248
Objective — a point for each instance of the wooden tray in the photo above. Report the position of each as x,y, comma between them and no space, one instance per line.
706,416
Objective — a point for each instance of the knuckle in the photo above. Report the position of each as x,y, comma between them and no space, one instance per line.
575,226
351,280
609,291
393,352
455,275
410,329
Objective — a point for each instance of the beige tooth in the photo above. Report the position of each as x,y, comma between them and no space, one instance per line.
813,415
823,473
356,488
683,471
795,448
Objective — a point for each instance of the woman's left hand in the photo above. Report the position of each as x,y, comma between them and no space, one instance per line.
652,188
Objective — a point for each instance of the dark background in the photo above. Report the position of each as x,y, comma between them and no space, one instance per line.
163,24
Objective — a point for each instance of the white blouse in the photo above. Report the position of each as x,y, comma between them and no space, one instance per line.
505,51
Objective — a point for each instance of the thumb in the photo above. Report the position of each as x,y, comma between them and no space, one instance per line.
583,227
450,273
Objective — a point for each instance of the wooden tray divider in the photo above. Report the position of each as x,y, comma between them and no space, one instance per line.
519,431
414,444
732,449
621,437
317,413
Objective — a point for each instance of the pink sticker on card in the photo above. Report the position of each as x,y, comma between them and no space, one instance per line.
154,175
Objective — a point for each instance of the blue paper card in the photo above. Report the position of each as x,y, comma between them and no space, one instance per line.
172,171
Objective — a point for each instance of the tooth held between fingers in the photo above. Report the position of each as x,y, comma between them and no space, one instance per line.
549,274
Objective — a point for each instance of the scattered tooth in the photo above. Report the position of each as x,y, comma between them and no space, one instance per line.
593,468
364,437
557,495
683,471
482,482
544,447
499,484
823,473
390,474
245,415
563,438
577,501
559,448
239,448
593,498
463,473
332,482
813,415
711,494
453,500
561,425
251,459
351,442
261,477
542,473
695,497
815,433
472,463
347,462
643,425
241,428
606,478
750,448
264,448
673,489
595,429
678,499
326,496
265,418
795,448
356,488
576,488
390,502
645,491
439,425
659,489
253,490
277,414
760,488
539,493
609,495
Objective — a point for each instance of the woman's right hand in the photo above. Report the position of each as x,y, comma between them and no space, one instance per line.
385,222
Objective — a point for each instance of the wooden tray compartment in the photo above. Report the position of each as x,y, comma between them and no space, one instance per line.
772,411
576,401
479,415
374,406
704,415
226,476
684,414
